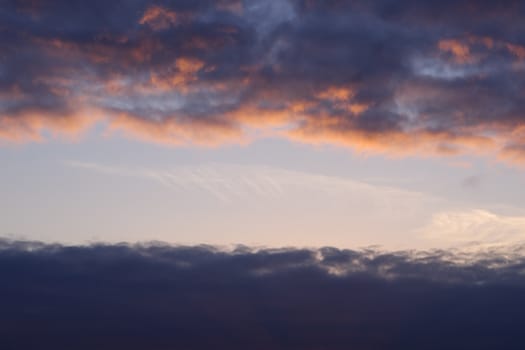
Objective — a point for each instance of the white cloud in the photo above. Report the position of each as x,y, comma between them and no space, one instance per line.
286,207
328,209
478,226
227,182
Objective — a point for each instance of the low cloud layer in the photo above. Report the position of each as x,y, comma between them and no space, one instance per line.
403,77
165,297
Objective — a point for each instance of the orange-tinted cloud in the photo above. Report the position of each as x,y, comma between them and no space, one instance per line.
235,6
208,72
460,51
517,50
176,132
179,76
395,143
468,49
32,125
159,18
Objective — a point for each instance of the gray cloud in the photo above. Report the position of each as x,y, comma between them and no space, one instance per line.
423,77
155,296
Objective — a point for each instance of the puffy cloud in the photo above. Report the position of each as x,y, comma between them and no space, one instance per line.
159,18
410,77
158,296
460,51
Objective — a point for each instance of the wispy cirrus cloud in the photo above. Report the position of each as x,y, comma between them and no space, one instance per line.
420,219
230,181
411,78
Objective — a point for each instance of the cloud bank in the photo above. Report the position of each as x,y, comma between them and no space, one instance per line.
164,297
395,77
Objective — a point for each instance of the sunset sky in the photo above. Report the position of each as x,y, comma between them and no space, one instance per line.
262,174
274,123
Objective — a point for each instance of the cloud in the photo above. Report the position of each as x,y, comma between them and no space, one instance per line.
155,296
229,181
159,18
485,228
424,78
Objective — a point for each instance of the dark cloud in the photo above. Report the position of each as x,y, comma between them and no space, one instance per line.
431,77
163,297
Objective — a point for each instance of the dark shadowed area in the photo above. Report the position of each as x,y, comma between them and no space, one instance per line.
166,297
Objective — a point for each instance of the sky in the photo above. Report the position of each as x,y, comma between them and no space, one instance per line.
262,174
270,123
